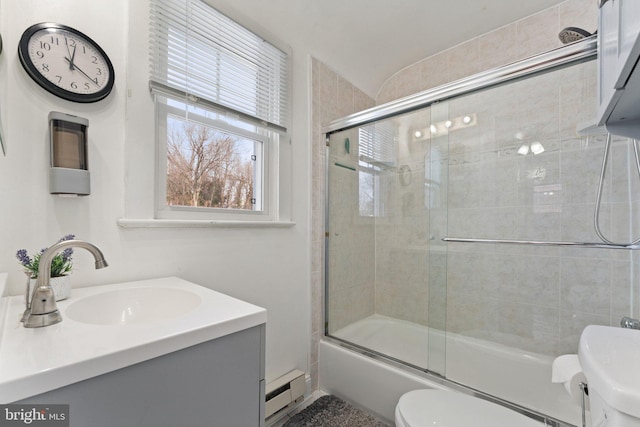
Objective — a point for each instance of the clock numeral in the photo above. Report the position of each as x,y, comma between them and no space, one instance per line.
99,72
59,79
70,42
86,86
40,54
45,67
94,60
54,40
74,85
45,45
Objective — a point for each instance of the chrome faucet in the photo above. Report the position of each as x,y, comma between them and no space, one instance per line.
628,322
42,309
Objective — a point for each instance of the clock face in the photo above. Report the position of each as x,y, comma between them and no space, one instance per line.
66,62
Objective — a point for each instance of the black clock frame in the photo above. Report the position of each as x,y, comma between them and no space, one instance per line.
31,69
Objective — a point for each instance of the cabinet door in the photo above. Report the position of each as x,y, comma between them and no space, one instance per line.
628,42
618,50
218,383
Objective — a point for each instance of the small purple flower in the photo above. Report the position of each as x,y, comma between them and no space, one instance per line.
23,257
67,254
61,263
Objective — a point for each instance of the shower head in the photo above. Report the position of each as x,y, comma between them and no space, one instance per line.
572,34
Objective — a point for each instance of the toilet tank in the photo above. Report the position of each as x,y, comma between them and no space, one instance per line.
610,359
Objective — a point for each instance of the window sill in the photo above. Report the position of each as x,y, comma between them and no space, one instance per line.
197,223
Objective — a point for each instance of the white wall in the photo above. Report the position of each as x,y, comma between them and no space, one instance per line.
265,266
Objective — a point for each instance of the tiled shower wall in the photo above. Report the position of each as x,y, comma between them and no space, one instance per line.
403,255
535,34
476,272
332,97
537,299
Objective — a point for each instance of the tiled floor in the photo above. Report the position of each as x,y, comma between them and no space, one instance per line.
283,418
286,416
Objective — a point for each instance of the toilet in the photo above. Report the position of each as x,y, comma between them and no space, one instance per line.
422,408
609,358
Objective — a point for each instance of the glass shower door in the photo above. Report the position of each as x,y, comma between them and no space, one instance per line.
383,186
436,192
515,161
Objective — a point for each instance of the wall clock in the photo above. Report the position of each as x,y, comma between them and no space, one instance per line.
66,62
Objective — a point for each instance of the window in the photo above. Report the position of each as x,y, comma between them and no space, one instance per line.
221,95
377,161
208,162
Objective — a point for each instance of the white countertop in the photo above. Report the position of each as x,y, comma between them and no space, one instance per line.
33,361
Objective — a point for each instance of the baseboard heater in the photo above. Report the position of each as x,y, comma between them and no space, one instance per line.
284,391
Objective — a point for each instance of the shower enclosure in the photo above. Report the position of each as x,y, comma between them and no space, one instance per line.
459,229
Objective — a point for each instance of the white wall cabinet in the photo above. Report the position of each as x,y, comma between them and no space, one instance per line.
618,76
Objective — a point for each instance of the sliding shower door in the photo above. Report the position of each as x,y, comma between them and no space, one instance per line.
517,161
528,170
386,269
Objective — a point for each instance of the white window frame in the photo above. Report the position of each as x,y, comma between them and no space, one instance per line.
275,181
263,170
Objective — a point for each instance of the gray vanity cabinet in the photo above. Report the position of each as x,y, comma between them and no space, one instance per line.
218,383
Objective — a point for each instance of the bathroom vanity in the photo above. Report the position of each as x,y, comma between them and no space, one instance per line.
160,352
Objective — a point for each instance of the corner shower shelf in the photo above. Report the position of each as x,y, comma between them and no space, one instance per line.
543,243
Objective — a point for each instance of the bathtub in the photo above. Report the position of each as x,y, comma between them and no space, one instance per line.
402,340
376,383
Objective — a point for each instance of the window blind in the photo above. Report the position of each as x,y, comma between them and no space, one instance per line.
377,144
201,54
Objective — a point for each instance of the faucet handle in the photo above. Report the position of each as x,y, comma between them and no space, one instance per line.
43,310
630,323
43,300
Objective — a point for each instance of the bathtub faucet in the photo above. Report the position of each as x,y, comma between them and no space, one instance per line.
42,309
628,322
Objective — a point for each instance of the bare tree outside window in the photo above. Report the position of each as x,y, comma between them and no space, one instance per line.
207,167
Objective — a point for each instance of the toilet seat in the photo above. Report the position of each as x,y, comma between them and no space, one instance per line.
422,408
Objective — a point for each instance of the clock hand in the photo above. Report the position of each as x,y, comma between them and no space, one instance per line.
73,55
75,67
69,52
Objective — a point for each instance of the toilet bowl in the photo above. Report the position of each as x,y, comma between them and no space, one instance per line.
422,408
609,359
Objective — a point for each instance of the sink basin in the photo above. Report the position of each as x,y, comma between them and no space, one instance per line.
132,306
